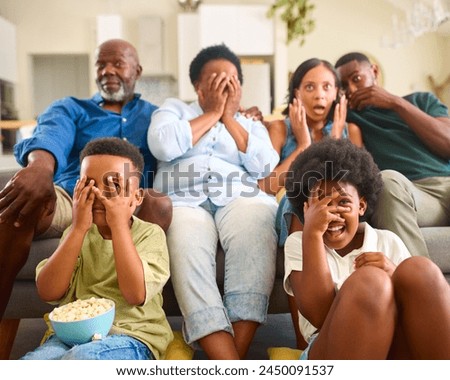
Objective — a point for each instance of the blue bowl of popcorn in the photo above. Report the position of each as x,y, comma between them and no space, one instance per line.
82,321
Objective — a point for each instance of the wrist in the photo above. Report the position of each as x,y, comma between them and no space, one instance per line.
78,232
214,116
312,233
120,225
41,159
398,104
336,133
301,147
227,117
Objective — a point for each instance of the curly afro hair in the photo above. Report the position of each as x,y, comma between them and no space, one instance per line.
114,146
213,53
333,160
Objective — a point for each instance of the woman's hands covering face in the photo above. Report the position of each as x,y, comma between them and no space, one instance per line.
234,93
220,94
212,94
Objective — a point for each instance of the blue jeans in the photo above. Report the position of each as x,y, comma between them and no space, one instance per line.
311,340
112,347
246,230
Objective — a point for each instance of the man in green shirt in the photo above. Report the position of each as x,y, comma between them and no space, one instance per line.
409,139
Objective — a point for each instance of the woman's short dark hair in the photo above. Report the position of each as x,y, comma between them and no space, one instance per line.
213,53
114,146
333,160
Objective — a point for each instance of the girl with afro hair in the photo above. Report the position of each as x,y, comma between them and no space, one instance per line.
359,293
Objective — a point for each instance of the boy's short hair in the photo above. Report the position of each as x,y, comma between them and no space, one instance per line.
213,53
114,146
354,56
333,160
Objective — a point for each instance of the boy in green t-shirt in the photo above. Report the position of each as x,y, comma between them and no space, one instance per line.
109,253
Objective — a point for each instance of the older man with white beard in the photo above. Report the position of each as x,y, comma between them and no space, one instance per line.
37,201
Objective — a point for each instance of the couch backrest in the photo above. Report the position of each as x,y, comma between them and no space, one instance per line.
5,176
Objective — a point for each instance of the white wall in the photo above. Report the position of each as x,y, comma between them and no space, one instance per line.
352,25
57,76
68,27
8,67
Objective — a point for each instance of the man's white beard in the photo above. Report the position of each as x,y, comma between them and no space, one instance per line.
117,96
113,97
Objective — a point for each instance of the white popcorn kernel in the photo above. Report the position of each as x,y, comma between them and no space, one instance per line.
81,309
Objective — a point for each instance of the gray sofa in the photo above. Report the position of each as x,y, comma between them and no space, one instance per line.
25,303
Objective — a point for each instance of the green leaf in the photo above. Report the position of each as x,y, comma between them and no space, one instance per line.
297,16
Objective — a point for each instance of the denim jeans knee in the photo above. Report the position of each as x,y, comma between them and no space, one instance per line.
250,256
113,347
250,252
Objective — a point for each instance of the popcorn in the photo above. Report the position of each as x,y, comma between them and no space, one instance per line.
81,309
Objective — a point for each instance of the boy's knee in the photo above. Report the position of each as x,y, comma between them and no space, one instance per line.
370,288
416,273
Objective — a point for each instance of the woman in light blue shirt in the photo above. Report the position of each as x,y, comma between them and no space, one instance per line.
210,158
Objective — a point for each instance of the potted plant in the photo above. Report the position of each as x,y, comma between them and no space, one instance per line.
297,16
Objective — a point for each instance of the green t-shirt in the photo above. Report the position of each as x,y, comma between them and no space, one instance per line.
95,276
394,145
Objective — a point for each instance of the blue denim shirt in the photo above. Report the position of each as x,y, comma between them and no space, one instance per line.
67,125
213,168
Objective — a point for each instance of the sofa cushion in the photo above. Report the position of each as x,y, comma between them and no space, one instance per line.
25,302
5,176
438,243
40,250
